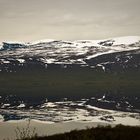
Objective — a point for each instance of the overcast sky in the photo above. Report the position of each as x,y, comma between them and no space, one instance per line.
28,20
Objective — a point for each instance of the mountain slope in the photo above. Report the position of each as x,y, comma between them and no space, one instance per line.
82,52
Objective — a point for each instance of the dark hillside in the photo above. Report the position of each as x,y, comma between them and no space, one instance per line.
100,133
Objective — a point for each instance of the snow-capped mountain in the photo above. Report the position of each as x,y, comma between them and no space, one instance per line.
91,76
82,52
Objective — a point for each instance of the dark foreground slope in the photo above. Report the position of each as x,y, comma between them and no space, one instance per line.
100,133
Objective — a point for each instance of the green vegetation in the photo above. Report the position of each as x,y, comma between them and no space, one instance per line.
100,133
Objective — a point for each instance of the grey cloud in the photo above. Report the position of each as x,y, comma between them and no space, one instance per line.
68,19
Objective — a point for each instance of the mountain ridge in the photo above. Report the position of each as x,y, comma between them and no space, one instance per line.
80,52
120,40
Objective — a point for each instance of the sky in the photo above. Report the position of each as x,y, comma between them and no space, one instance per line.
30,20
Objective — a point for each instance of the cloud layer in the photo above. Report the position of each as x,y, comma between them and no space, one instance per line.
68,19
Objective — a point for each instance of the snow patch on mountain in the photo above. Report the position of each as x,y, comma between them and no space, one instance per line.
126,40
1,46
21,106
66,52
42,41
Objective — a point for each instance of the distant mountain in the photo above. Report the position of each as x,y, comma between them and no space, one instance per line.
100,73
115,53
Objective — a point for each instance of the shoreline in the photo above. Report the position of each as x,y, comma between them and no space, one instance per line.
41,128
46,128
